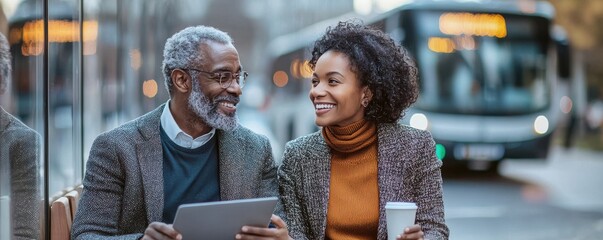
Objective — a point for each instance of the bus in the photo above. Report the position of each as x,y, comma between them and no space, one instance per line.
489,77
489,80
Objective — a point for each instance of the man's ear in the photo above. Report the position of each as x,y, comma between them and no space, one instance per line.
181,81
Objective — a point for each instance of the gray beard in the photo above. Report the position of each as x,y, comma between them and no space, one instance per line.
207,111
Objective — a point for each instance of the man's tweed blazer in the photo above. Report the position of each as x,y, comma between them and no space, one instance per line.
123,187
408,171
19,178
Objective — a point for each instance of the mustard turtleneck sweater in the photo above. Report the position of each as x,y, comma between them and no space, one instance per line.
353,209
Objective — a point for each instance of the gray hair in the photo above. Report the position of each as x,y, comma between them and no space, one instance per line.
182,49
5,64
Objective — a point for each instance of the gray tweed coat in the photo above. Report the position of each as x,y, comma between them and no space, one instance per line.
123,185
19,178
408,170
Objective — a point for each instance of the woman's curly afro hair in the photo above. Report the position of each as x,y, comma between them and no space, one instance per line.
379,63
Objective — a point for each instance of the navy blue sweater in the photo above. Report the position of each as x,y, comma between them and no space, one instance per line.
189,175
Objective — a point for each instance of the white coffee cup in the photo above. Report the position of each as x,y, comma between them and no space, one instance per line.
399,215
5,229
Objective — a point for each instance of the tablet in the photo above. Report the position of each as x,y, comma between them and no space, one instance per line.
223,219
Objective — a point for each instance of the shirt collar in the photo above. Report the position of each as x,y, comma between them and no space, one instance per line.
173,131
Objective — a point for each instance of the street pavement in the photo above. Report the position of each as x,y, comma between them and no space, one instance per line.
560,198
572,178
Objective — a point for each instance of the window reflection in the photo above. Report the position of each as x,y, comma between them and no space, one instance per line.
19,166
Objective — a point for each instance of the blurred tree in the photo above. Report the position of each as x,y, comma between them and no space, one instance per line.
582,20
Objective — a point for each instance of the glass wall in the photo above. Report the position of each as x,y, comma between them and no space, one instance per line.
64,99
23,121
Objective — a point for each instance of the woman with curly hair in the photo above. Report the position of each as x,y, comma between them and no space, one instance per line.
334,183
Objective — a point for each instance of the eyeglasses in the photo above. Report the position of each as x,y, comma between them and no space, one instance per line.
226,78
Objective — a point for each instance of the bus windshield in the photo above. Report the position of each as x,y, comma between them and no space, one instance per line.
479,63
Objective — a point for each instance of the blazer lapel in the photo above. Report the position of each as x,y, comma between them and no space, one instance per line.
150,158
390,165
229,155
318,171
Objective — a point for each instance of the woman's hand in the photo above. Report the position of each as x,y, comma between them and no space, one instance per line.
412,232
280,232
159,230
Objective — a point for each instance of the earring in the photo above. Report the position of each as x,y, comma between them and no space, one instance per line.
365,102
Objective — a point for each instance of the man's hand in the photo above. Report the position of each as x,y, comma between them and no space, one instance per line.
280,232
160,231
412,232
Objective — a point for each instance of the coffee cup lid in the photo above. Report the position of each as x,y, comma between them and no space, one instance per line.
401,205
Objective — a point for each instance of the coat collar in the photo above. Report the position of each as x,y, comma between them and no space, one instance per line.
150,159
390,161
319,172
231,162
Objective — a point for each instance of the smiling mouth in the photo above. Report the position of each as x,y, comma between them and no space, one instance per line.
227,108
228,105
323,106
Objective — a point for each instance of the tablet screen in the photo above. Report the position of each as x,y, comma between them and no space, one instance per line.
223,219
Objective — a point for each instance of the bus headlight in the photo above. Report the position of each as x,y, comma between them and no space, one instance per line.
419,121
541,124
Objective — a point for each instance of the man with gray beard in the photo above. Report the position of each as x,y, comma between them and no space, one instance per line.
190,149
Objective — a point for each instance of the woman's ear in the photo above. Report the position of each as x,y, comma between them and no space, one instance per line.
366,97
367,94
